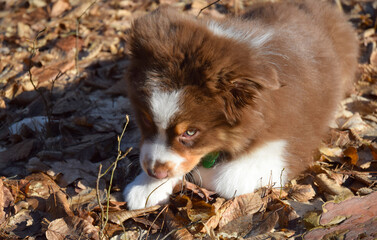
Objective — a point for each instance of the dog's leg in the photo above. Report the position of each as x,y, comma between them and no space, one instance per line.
146,191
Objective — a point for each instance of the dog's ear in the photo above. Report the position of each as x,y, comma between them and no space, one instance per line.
245,90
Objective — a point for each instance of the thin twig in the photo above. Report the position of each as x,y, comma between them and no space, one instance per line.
77,37
146,201
207,7
120,156
281,183
99,200
158,215
44,99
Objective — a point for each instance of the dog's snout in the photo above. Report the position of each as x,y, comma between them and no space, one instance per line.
159,171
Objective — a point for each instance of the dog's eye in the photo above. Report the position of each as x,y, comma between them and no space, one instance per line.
189,133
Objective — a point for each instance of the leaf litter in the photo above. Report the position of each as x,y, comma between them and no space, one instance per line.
57,130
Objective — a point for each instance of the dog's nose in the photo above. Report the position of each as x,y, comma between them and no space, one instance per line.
159,171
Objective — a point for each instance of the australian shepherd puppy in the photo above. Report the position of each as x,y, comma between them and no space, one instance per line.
240,102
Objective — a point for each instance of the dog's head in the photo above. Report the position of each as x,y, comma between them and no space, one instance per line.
191,90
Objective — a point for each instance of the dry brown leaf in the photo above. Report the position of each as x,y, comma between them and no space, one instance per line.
57,205
6,200
356,124
331,187
302,193
40,185
73,169
331,152
16,152
263,223
59,7
120,216
71,228
23,224
178,226
87,197
45,75
214,220
246,204
351,152
285,212
45,195
200,211
353,218
237,215
201,192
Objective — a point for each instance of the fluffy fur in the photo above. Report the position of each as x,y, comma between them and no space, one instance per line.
260,89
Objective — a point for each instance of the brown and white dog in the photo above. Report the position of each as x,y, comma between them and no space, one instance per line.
258,90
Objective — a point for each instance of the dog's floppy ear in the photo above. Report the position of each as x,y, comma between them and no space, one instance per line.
245,90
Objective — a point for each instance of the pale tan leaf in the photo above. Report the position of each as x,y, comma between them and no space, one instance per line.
71,228
331,187
59,7
6,200
302,193
243,205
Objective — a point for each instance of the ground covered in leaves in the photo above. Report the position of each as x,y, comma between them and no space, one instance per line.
64,158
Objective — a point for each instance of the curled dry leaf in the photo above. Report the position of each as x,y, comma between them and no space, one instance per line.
178,226
201,192
71,228
195,209
120,216
356,124
332,188
285,212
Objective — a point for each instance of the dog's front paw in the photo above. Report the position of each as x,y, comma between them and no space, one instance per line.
138,194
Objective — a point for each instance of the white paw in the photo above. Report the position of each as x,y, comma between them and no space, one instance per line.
138,194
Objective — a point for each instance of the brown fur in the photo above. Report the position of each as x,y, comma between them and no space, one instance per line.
240,97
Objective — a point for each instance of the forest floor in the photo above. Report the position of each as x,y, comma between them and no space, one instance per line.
64,160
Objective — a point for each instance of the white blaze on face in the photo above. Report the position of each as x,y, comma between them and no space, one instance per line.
164,106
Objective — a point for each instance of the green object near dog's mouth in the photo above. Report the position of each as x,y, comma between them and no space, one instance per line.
209,160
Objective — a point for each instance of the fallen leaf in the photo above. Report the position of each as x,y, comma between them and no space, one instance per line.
350,219
71,228
73,169
59,7
119,217
23,224
178,226
6,201
356,124
16,152
330,187
242,205
201,192
302,193
351,152
263,223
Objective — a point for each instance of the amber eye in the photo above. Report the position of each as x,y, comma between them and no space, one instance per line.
189,133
